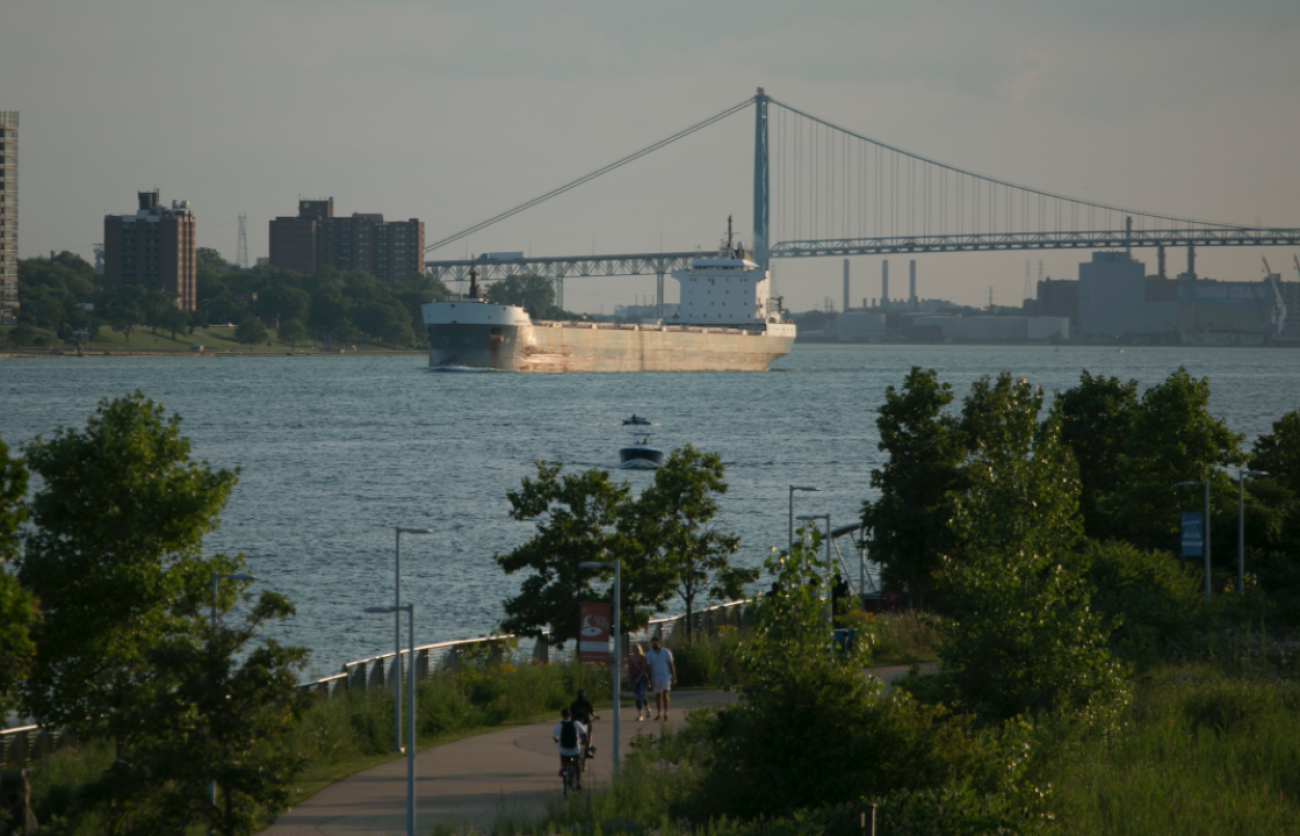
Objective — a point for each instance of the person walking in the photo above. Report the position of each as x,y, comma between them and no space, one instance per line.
663,675
638,676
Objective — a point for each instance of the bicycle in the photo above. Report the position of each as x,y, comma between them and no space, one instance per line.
571,774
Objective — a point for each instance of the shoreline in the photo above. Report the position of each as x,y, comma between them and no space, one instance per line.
10,354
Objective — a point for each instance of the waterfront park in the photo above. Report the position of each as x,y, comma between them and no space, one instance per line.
1086,624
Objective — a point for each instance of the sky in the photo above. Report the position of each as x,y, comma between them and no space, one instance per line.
454,111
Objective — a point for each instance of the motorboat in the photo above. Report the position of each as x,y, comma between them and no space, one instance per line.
640,455
636,420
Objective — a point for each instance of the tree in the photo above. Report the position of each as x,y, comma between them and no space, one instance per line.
535,294
22,334
116,531
284,301
292,332
672,520
907,529
208,708
1024,638
1096,417
250,332
1278,453
576,515
125,317
174,319
1273,534
18,613
1173,439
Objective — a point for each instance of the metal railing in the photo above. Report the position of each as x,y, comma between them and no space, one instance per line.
380,671
21,745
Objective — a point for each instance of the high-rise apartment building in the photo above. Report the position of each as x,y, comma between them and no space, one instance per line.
8,217
153,248
315,238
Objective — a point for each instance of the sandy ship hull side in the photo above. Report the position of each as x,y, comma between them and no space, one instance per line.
578,347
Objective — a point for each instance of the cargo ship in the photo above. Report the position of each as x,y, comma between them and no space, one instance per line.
725,321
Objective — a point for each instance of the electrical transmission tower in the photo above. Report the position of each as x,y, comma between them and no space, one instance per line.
241,252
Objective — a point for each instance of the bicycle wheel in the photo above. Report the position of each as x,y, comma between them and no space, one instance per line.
570,778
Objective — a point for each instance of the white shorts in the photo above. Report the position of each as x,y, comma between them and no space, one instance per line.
661,686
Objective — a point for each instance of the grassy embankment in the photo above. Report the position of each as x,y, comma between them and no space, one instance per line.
342,736
213,340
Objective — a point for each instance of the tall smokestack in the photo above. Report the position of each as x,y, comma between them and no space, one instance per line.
911,284
846,284
884,283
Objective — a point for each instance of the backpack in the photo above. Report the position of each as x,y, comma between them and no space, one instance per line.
568,734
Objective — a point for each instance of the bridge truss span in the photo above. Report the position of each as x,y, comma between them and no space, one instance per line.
1051,240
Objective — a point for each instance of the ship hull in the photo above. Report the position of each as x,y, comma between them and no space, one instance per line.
599,347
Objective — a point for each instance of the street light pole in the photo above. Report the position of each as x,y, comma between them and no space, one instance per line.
216,576
397,635
410,711
618,647
830,606
794,488
1241,526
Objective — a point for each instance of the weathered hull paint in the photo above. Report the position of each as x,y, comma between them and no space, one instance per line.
579,347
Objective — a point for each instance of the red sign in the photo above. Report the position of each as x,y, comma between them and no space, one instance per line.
593,633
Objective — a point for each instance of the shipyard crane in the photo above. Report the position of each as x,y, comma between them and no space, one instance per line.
1272,279
1296,258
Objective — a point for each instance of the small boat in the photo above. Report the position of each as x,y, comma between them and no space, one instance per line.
639,455
636,420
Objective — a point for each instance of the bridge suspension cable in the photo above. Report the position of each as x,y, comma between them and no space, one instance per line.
717,117
832,184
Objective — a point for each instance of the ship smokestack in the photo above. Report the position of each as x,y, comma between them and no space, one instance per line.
884,283
911,284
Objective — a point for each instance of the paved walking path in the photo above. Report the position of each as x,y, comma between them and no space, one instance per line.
510,772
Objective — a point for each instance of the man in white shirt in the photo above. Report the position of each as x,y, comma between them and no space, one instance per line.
569,735
663,675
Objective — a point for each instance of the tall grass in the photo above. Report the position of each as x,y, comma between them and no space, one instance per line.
1202,752
904,638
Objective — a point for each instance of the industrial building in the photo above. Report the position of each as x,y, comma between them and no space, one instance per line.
990,328
315,238
153,248
8,217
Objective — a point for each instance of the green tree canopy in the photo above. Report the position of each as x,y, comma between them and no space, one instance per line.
1173,439
1096,418
116,531
671,520
293,332
251,331
1023,637
18,614
907,526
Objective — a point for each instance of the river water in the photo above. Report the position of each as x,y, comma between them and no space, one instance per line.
335,451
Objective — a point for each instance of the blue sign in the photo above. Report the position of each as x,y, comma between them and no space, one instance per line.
1193,535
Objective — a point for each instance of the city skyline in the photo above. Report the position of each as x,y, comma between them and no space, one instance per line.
455,113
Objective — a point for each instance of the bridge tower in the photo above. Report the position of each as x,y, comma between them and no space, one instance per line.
762,191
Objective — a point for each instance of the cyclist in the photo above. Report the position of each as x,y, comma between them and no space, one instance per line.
584,713
569,736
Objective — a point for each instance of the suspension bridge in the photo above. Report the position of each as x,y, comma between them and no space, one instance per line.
823,190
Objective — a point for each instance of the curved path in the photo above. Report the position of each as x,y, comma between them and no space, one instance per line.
511,772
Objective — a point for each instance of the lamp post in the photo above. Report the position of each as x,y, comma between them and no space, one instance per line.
410,710
217,576
618,643
1205,528
830,606
794,488
397,635
1241,526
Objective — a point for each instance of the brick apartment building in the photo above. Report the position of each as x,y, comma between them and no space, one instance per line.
388,250
153,248
8,217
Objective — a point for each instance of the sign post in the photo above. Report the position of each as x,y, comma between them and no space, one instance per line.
593,633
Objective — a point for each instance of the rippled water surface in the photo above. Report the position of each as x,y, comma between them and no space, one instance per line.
334,452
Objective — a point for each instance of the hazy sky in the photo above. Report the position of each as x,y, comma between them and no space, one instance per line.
453,111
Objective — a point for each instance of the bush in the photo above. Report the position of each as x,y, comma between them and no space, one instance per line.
251,331
710,660
1146,595
23,334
